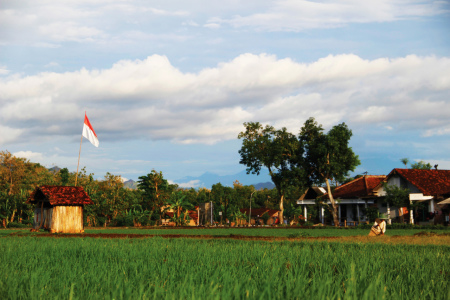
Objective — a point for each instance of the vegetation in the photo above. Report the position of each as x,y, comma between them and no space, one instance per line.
160,268
326,157
273,149
420,165
115,205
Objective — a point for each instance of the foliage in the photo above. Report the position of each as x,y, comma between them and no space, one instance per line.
180,206
396,196
265,217
421,165
220,269
239,217
293,211
326,157
273,149
371,212
155,189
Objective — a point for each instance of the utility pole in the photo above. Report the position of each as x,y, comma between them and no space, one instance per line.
250,213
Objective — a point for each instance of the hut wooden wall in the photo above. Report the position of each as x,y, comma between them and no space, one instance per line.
67,219
48,211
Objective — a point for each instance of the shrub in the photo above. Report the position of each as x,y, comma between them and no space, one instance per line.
17,225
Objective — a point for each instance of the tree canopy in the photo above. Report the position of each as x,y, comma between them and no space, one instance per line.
273,149
326,156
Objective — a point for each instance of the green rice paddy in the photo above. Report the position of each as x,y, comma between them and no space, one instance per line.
159,268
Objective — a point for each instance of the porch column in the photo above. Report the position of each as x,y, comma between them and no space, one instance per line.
432,206
322,215
388,214
411,216
305,211
339,215
365,216
357,212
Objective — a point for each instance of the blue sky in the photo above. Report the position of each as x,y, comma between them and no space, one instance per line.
167,85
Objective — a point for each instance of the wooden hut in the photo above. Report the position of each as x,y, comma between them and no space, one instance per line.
59,208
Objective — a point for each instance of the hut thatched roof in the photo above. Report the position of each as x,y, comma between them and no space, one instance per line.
60,195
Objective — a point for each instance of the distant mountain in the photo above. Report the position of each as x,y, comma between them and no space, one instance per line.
209,179
264,185
54,169
131,184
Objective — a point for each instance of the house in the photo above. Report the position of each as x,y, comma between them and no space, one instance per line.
428,186
257,213
309,198
356,195
351,198
168,215
59,209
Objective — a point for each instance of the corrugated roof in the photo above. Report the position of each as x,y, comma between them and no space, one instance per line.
60,195
359,187
429,182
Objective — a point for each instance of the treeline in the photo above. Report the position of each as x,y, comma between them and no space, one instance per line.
115,205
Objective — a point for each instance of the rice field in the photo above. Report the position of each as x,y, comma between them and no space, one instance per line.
34,267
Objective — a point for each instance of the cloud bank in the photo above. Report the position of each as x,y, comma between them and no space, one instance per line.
152,99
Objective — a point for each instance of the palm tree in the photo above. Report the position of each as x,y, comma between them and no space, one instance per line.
178,203
405,161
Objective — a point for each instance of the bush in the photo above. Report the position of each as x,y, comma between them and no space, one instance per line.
17,225
411,226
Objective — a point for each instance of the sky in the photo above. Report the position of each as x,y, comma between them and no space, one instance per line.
167,85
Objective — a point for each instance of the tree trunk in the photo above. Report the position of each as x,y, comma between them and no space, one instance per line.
280,215
13,215
333,204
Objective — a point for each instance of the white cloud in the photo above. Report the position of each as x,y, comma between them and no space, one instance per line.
32,156
3,70
43,23
52,65
152,99
9,135
190,184
297,15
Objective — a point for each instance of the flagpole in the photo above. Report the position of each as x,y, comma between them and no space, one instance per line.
79,154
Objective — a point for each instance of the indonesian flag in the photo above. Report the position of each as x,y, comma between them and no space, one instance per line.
88,132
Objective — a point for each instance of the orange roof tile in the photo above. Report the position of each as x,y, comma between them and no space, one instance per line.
359,187
429,182
60,195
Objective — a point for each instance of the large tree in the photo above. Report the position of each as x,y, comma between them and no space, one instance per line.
326,156
155,189
273,149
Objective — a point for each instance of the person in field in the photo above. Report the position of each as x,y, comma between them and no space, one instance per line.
378,228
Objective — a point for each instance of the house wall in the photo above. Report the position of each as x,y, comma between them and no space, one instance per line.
67,219
398,181
394,211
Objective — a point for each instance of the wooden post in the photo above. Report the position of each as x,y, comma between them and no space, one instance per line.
79,154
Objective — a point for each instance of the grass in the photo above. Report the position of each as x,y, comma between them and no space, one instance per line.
157,268
257,231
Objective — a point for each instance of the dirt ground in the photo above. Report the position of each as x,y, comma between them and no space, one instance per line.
421,238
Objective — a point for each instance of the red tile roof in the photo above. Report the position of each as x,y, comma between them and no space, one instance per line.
429,182
259,211
60,195
359,187
192,214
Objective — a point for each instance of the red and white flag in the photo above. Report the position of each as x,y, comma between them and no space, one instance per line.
88,132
